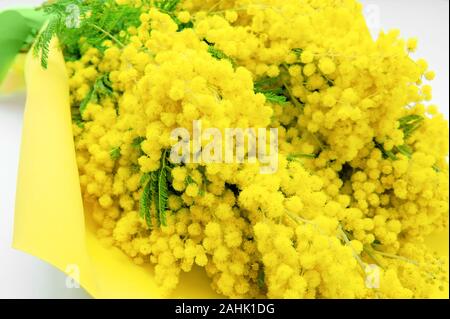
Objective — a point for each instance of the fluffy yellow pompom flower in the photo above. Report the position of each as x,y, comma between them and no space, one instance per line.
184,16
327,66
307,57
411,44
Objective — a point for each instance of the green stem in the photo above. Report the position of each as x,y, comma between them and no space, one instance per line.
108,34
321,146
292,97
370,253
289,91
392,256
347,242
211,10
299,219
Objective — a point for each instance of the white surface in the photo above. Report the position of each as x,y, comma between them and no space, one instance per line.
23,276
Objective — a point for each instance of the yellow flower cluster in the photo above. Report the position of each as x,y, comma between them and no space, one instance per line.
362,172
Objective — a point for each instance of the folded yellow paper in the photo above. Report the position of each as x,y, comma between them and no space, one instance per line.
50,222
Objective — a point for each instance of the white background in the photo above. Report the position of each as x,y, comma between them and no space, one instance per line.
23,276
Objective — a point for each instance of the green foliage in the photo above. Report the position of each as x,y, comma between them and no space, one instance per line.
163,196
182,26
135,168
261,277
155,194
189,180
405,150
42,44
386,154
216,53
219,54
409,124
145,178
274,97
94,21
115,153
167,6
271,89
146,201
101,87
298,52
154,180
137,142
80,24
76,117
267,82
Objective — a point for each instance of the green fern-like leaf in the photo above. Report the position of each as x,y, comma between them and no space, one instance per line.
272,90
167,5
216,53
43,40
150,197
219,54
163,196
94,20
408,124
274,98
145,179
163,191
267,82
101,88
154,179
145,204
261,280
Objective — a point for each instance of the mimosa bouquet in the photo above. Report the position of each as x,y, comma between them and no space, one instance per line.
350,181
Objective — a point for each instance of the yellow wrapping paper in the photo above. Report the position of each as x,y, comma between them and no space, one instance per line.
50,222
